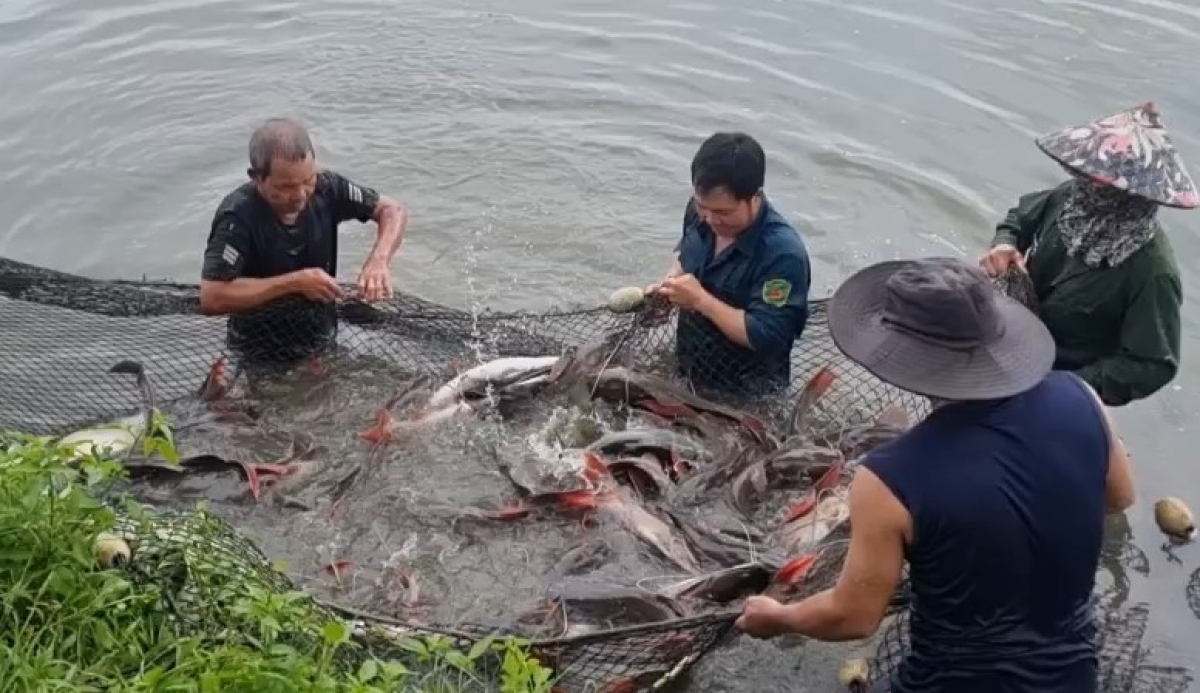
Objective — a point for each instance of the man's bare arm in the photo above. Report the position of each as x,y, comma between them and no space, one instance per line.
391,218
239,295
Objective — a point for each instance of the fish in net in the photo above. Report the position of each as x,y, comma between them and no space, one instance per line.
202,569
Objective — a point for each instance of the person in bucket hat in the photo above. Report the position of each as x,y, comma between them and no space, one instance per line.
997,499
1104,272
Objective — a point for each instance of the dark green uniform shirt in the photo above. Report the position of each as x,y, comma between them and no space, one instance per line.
1115,327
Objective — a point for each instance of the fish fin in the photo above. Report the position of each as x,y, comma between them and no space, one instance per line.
277,470
251,479
149,403
814,390
213,386
794,569
381,431
594,468
512,511
830,478
576,500
801,507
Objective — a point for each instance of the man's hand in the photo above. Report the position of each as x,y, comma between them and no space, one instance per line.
684,291
997,260
762,617
315,284
375,282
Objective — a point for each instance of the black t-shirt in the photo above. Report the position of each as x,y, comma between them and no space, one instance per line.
247,240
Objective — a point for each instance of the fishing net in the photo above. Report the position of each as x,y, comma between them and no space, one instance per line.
203,569
61,333
1124,662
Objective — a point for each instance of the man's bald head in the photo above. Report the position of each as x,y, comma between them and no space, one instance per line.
278,139
283,166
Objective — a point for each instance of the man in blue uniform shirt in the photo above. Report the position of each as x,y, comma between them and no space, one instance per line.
741,275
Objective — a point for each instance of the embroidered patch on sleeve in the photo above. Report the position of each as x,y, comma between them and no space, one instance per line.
230,255
775,292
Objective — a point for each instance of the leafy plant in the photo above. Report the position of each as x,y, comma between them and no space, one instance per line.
68,624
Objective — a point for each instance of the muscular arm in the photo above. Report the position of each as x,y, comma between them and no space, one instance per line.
222,288
853,608
1148,355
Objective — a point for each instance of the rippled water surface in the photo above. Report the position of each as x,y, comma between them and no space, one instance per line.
543,150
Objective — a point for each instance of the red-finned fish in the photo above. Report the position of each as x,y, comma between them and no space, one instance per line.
806,504
387,429
799,535
814,390
563,501
795,569
337,569
256,472
215,384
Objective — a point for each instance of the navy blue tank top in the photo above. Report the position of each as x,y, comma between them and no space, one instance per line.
1007,499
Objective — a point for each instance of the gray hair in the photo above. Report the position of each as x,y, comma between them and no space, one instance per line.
278,138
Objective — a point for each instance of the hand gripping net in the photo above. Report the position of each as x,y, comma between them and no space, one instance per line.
62,333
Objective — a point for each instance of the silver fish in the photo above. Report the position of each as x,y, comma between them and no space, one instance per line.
498,373
119,436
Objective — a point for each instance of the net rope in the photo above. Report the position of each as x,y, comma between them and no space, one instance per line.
62,333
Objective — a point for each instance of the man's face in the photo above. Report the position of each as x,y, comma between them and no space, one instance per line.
725,214
288,187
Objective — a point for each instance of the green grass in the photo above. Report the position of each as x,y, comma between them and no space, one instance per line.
69,624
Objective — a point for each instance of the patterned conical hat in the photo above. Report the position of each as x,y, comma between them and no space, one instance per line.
1130,151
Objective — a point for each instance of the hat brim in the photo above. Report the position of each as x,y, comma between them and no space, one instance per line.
1019,359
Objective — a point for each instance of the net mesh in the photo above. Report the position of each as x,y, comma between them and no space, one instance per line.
62,333
203,569
1124,662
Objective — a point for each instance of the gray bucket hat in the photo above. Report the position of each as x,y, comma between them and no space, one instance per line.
938,328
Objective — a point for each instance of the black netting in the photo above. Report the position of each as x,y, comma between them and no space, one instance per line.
62,333
202,568
1124,661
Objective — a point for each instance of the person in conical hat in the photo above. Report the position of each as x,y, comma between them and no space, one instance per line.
1106,279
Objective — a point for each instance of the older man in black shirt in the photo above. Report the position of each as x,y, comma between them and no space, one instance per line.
275,236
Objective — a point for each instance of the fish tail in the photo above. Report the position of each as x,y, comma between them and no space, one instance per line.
213,386
813,391
830,478
794,569
381,431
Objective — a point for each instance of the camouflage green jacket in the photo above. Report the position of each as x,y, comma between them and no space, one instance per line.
1115,327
